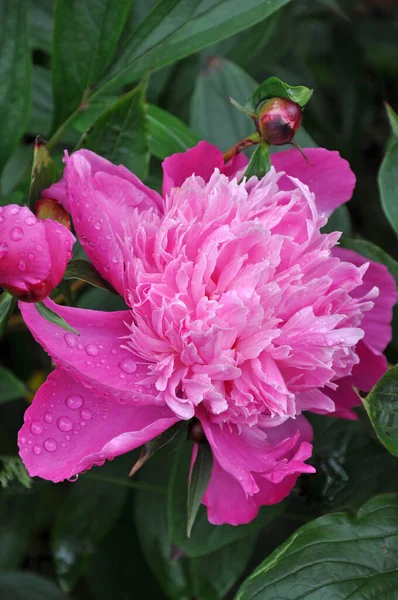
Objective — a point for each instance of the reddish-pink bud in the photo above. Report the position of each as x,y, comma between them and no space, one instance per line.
278,121
47,208
196,433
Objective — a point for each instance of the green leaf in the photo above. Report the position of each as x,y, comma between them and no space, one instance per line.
25,586
84,271
205,537
7,304
275,88
336,557
11,387
388,185
42,104
372,252
382,407
176,28
52,317
150,515
168,134
87,514
393,118
198,483
121,134
212,116
15,75
154,445
84,41
260,162
41,23
44,171
13,470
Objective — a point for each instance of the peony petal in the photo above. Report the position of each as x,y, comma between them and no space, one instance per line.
33,253
101,198
96,357
376,322
68,429
57,191
225,497
328,175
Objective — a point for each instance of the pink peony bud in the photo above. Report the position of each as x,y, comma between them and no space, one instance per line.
33,253
279,120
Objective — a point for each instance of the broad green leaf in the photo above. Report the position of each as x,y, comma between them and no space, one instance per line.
13,471
339,220
87,514
212,116
11,387
121,134
198,482
7,303
41,23
118,569
44,171
372,252
275,88
335,557
52,317
84,271
382,407
150,515
167,134
154,445
98,299
260,162
15,75
176,28
25,586
388,185
42,105
393,119
84,40
205,537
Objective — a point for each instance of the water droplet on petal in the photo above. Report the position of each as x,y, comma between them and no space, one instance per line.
3,249
14,210
31,220
36,427
48,417
50,445
22,265
92,349
39,247
85,414
73,478
64,423
16,234
70,340
128,366
31,256
36,450
75,401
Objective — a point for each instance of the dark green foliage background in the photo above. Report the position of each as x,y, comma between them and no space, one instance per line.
106,537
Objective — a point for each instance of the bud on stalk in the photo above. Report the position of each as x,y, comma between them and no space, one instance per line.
278,121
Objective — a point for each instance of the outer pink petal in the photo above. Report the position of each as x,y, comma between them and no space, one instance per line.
328,175
376,322
96,357
57,191
27,261
68,428
200,160
226,499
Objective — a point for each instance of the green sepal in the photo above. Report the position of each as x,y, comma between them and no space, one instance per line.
275,88
44,171
260,162
52,317
393,119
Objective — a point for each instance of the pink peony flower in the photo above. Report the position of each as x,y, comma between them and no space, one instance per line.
33,253
241,314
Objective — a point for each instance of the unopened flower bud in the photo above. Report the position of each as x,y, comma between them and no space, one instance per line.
278,121
47,208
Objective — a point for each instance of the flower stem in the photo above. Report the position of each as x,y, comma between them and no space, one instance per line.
248,141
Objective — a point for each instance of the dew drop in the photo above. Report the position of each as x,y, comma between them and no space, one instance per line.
75,401
70,340
73,478
114,351
16,234
39,247
97,225
128,366
14,210
50,445
48,417
85,414
36,450
36,428
3,249
31,220
92,349
31,256
22,265
64,423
